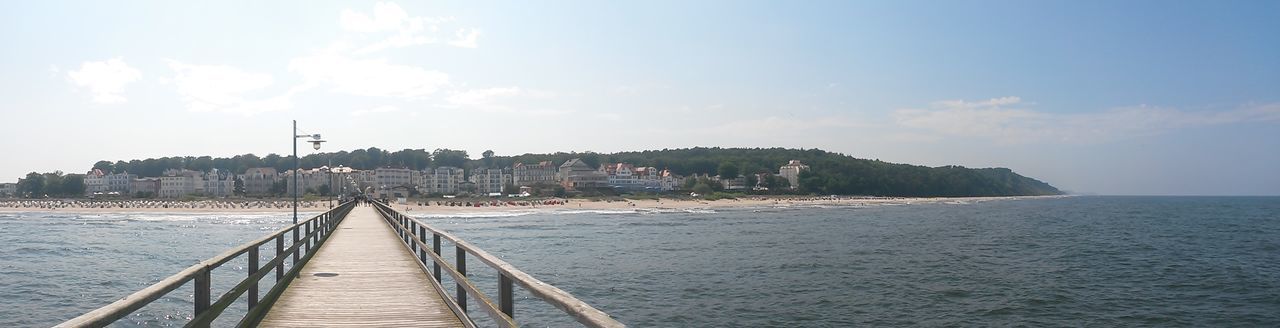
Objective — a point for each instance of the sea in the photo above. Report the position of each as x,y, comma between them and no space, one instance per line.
1045,262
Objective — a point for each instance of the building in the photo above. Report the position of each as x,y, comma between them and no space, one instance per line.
145,186
577,175
442,180
218,183
530,174
180,183
628,177
315,180
259,180
95,182
791,172
669,181
738,183
119,182
490,181
8,190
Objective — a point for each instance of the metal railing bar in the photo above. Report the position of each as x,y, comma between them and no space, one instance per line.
234,293
581,311
123,307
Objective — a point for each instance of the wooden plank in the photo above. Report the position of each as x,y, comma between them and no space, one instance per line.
378,283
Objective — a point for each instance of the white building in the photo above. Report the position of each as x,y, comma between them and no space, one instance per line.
791,171
442,180
259,180
8,189
531,174
120,182
669,181
180,183
488,181
95,182
219,183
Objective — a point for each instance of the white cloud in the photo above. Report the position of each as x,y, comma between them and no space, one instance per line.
376,110
466,38
486,97
206,88
390,18
104,79
991,119
368,77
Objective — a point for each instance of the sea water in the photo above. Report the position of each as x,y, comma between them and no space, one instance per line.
1076,261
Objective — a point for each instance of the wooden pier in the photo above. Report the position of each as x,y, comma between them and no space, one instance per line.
363,276
364,265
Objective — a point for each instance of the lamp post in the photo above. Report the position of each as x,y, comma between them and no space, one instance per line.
297,163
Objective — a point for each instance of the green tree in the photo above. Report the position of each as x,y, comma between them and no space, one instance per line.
32,185
238,187
702,188
728,170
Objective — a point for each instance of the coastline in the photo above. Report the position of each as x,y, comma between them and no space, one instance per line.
415,207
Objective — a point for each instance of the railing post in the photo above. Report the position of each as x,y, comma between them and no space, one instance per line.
506,301
308,237
462,269
435,247
253,269
202,291
295,249
422,237
280,254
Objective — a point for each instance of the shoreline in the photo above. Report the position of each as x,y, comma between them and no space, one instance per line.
504,205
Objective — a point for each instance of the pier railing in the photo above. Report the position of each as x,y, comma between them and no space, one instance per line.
301,249
414,233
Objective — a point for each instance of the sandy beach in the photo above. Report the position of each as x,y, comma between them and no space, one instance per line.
441,206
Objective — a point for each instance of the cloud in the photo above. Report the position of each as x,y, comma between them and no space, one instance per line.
368,77
218,88
104,79
995,119
488,96
466,38
375,110
390,18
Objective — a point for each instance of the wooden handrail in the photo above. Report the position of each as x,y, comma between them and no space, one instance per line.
205,312
579,310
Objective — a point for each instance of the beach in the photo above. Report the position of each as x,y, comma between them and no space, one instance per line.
473,205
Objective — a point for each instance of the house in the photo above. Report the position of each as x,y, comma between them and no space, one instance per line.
8,189
791,172
95,182
577,175
259,180
148,186
669,181
119,182
218,183
527,175
488,181
442,180
180,183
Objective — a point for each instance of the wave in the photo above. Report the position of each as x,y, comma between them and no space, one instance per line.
474,215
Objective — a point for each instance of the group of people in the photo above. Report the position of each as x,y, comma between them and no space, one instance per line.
496,203
155,204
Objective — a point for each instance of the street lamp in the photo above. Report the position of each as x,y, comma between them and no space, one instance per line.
297,164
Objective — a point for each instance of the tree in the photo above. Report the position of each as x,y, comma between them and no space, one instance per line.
72,185
702,188
238,187
32,185
279,188
105,166
728,170
488,158
325,190
448,157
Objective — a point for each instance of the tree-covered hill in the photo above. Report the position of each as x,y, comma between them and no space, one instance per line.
829,173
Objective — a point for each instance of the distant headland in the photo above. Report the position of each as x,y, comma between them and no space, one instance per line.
707,172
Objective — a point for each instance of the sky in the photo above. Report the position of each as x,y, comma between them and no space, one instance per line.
1105,97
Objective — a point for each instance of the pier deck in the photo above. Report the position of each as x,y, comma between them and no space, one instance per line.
378,283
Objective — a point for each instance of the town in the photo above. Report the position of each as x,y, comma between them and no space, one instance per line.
571,178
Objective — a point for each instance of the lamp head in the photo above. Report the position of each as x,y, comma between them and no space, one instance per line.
315,143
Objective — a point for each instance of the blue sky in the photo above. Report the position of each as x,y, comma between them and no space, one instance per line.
1105,97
